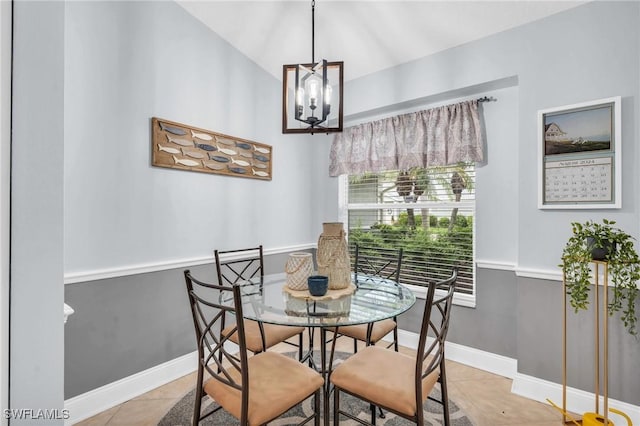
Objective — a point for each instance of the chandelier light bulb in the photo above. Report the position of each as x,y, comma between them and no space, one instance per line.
313,94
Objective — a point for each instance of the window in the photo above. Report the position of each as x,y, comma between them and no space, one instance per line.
428,212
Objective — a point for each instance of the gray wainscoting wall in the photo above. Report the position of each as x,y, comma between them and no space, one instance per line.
539,306
490,326
521,318
125,325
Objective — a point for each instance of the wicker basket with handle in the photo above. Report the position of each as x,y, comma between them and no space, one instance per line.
299,267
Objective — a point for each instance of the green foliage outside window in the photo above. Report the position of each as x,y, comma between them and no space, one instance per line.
427,254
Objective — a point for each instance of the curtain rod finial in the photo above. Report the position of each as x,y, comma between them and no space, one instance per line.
487,99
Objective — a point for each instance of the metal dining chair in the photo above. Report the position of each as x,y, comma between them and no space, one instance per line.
236,266
397,382
371,264
255,389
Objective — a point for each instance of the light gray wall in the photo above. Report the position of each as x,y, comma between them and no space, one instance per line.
126,62
5,191
600,38
37,334
585,53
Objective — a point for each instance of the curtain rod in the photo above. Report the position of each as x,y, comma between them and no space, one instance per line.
486,99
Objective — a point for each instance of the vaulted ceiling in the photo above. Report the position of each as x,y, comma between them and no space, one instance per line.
367,35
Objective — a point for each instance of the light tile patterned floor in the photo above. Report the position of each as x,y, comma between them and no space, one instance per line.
485,397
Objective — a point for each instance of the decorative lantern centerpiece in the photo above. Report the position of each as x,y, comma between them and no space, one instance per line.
333,256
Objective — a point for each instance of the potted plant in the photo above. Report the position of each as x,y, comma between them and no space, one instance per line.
602,241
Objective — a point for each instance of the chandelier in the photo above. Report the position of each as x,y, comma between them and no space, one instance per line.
312,93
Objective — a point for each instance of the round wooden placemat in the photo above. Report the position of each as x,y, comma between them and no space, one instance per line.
331,294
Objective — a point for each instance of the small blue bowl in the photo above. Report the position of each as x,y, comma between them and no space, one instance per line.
318,285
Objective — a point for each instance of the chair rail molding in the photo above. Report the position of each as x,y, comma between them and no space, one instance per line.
520,271
143,268
495,264
540,274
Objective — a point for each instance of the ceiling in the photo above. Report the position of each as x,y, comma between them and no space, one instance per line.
367,35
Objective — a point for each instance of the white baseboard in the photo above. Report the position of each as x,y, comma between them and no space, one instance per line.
487,361
578,401
89,404
95,401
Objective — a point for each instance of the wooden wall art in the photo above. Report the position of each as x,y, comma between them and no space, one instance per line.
183,147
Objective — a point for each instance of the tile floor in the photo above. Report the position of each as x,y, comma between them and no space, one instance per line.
485,397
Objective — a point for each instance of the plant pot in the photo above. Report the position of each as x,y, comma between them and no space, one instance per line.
600,253
318,285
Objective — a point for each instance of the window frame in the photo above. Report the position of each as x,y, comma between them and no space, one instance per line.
460,299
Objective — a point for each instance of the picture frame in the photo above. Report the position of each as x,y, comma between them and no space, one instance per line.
184,147
579,156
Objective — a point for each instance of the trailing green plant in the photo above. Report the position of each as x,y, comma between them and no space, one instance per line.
623,266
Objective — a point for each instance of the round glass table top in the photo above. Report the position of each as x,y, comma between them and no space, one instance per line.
367,300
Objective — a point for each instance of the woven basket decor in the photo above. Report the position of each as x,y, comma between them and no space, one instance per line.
299,267
333,256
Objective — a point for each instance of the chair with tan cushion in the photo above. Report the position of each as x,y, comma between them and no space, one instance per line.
256,389
371,264
237,266
397,382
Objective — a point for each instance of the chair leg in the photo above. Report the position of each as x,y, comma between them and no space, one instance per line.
198,401
444,393
355,345
373,414
395,338
300,347
336,406
316,407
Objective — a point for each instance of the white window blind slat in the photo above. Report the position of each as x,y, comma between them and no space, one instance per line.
415,210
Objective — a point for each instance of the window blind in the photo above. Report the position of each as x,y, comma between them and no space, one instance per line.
429,212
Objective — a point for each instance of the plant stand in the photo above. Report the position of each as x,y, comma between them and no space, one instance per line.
598,267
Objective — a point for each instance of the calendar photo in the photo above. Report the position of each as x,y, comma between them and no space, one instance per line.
579,156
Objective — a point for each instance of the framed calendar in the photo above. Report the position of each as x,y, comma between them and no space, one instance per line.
579,156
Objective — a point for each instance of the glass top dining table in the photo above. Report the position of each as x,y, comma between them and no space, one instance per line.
367,299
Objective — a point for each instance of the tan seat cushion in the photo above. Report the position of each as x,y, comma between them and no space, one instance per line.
380,329
273,334
384,377
276,383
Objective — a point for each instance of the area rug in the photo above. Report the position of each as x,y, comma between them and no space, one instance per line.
182,412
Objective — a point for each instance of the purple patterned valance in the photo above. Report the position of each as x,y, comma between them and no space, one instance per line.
434,137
